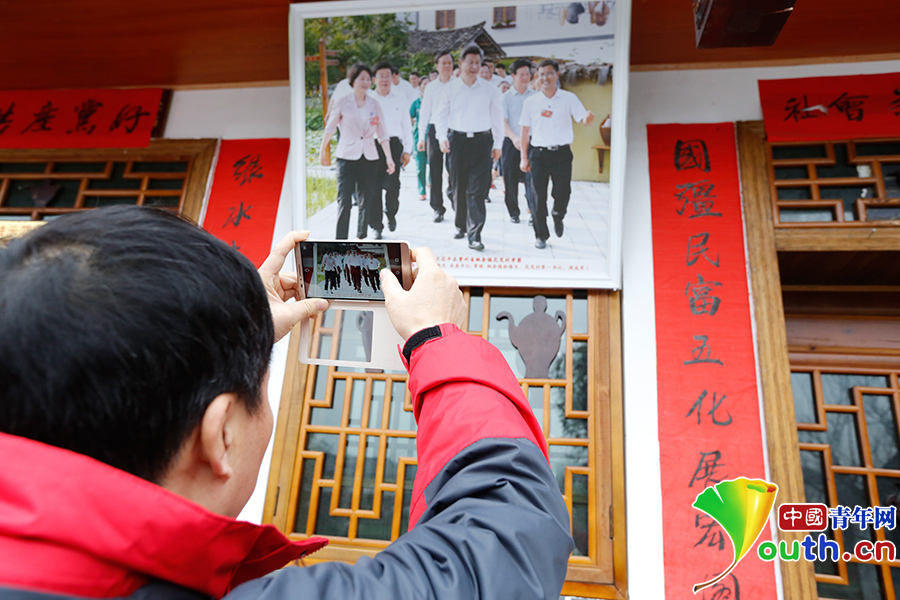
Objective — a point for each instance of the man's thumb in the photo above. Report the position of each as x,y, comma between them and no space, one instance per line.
305,309
389,284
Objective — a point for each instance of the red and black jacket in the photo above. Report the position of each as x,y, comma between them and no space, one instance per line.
487,518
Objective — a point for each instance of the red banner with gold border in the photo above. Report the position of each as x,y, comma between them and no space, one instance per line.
78,118
831,108
246,189
709,419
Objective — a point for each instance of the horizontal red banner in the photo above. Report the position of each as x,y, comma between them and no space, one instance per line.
78,118
831,108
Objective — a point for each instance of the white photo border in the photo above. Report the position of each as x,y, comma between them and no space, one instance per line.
297,165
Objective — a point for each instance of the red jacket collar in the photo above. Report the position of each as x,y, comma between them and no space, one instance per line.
70,524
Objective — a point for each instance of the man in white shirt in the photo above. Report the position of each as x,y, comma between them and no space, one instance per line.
469,126
427,140
403,86
395,107
513,100
546,137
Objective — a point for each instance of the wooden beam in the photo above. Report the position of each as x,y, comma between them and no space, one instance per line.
798,577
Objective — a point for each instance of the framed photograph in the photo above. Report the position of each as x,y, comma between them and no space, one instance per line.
460,184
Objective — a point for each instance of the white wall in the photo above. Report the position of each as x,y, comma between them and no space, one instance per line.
699,96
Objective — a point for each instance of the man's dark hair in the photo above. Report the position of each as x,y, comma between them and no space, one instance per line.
356,70
500,65
485,63
549,62
395,70
383,65
438,55
411,73
471,49
519,63
119,326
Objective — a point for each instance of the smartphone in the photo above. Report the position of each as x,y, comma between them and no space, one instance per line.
342,270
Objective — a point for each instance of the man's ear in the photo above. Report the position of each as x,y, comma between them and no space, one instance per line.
216,435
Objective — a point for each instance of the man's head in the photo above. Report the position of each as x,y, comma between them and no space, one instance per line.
383,78
470,61
414,79
485,72
395,75
490,63
548,75
443,63
500,70
521,73
123,329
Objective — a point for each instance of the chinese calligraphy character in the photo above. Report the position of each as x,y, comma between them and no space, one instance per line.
698,406
702,353
691,154
235,215
129,116
712,532
246,169
727,589
850,106
42,118
699,196
796,112
697,247
700,297
85,111
5,120
707,469
895,103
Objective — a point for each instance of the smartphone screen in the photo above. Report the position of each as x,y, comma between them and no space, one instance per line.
349,270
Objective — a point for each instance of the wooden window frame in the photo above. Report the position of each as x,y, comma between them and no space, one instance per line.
764,241
507,18
608,479
198,153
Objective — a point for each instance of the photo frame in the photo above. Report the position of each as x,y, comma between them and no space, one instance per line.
589,39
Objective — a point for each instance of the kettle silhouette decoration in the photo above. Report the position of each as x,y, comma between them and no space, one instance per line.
537,337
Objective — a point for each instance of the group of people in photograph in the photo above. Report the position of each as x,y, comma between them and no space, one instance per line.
355,267
473,120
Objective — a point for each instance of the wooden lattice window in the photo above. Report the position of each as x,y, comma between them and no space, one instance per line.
504,16
847,409
842,184
37,185
444,19
345,460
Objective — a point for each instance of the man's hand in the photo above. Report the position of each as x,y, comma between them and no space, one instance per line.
421,146
281,287
433,299
495,154
390,165
445,146
524,166
404,160
588,118
517,142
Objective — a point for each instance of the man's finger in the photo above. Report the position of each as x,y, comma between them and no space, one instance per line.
389,284
275,260
304,309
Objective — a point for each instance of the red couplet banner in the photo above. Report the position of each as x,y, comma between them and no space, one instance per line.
709,421
244,198
831,108
78,118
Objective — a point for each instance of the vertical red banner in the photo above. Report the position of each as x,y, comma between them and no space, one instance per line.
709,421
245,193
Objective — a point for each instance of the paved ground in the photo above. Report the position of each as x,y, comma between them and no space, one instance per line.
585,241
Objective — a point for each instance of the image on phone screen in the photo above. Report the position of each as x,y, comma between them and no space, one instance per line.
347,270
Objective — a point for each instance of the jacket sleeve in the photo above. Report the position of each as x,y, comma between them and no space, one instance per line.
489,520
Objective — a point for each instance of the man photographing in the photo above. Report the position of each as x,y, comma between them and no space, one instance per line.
546,137
133,414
